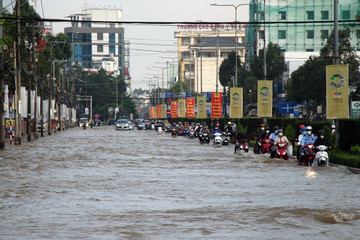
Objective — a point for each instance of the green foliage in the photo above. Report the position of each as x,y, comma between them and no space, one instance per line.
290,132
344,158
227,70
240,128
275,63
355,150
330,137
177,88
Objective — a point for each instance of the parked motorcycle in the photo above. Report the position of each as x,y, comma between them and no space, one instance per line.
281,151
241,146
217,139
321,157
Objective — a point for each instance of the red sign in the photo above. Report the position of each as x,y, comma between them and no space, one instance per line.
216,105
174,109
158,111
190,107
151,112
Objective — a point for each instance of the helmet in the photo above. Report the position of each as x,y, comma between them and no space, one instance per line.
308,128
262,125
276,128
229,123
321,132
301,126
280,130
333,126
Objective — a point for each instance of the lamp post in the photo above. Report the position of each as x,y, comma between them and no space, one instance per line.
236,40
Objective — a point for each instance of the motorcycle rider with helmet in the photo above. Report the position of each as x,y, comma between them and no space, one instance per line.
309,138
302,130
239,138
273,137
258,136
321,140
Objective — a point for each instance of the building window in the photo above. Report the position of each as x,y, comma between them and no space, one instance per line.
100,36
324,15
282,15
100,48
282,34
185,41
111,37
310,15
324,34
310,34
119,50
112,49
345,14
185,55
120,40
309,50
261,34
261,16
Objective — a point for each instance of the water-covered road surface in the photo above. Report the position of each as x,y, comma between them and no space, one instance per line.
105,184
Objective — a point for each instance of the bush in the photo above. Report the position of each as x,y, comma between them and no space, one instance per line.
290,133
240,128
355,150
344,158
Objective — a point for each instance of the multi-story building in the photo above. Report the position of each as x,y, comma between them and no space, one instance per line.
298,27
201,52
99,43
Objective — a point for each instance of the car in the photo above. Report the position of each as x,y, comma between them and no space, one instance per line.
124,124
111,122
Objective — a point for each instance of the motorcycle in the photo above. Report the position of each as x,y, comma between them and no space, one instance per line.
179,132
185,132
204,139
173,132
308,155
258,147
321,157
265,145
217,139
160,130
191,133
226,138
281,151
241,146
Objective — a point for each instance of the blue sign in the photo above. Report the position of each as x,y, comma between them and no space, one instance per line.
287,107
168,94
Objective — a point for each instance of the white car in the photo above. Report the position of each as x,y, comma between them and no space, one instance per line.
124,124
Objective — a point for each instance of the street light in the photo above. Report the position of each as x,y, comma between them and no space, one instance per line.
236,40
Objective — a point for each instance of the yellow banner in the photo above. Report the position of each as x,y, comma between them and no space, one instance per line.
337,91
236,102
265,97
163,111
201,107
181,107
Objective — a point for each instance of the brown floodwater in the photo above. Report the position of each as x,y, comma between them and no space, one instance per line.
105,184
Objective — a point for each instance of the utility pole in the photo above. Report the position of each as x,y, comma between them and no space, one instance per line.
18,76
336,32
34,72
2,82
50,89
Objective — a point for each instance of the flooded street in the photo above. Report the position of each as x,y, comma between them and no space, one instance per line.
105,184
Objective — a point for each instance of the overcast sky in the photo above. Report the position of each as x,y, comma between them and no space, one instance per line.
146,40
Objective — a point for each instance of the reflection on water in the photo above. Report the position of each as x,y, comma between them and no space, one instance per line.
105,184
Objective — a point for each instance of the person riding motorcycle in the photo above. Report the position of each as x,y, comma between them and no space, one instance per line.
309,138
273,137
228,128
233,126
281,139
216,130
258,136
302,130
321,140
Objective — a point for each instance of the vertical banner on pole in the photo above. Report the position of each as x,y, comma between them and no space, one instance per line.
163,111
201,107
158,111
337,91
151,112
190,107
181,105
265,97
174,109
216,105
236,102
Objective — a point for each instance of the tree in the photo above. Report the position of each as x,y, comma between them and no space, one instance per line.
227,70
308,82
176,88
275,63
